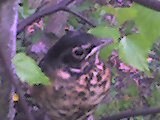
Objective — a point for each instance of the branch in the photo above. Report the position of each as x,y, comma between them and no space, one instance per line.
155,5
128,114
46,11
152,4
8,23
50,10
79,16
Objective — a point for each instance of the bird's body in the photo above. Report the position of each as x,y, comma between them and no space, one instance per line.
79,82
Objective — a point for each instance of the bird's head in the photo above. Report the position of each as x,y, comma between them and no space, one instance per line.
75,48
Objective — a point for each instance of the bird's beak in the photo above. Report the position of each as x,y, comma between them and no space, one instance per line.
99,45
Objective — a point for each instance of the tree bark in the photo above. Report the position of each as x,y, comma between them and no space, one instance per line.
8,24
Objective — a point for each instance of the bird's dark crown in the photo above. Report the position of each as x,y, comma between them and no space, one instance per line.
72,48
70,40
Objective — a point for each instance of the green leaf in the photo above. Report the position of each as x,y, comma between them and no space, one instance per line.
132,54
106,32
147,21
125,14
106,52
122,14
28,71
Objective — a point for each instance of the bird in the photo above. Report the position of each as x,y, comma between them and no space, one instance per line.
79,78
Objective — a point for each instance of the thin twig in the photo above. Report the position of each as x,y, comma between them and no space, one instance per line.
79,16
152,4
128,114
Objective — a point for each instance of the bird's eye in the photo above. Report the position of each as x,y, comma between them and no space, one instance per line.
78,52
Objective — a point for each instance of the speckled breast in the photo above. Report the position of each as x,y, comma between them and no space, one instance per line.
75,98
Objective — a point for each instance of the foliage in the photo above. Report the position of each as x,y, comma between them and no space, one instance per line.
139,43
106,32
134,29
